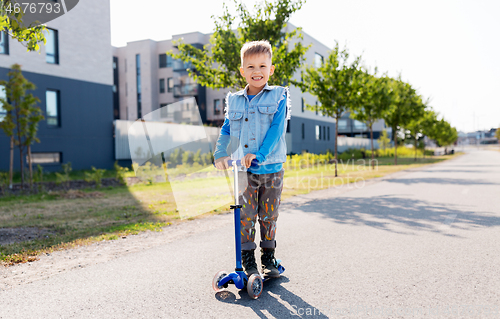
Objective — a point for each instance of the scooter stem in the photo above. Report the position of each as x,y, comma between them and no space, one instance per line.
237,227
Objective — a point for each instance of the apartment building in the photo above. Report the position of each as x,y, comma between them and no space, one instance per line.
149,79
73,74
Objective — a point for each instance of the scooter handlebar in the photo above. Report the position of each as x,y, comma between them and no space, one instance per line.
238,163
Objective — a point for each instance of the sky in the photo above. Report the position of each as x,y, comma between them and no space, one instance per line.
449,50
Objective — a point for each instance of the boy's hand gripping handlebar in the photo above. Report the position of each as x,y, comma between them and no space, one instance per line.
238,163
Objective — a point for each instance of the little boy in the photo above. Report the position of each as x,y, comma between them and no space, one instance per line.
257,117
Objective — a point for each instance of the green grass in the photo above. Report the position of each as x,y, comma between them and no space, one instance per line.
114,212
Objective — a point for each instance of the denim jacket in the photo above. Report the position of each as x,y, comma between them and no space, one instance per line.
250,121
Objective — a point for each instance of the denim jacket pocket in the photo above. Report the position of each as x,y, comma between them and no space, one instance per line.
235,120
268,108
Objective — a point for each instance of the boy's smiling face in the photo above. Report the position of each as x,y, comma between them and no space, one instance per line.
256,69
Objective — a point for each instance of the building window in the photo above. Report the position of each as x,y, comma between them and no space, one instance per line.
359,125
318,60
328,130
52,46
217,108
342,124
165,61
324,132
52,107
45,158
162,85
170,85
4,42
303,131
288,126
138,78
303,103
318,132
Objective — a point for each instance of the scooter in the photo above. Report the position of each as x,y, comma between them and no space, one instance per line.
222,279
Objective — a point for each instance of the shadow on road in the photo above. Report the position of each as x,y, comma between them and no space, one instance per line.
430,180
272,301
385,212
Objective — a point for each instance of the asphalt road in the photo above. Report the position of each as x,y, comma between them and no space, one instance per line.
419,244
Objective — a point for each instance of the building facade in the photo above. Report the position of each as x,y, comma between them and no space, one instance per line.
73,74
149,79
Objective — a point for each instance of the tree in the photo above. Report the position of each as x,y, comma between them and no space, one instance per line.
217,64
420,124
405,105
497,133
383,140
21,121
372,102
336,84
428,124
444,134
30,36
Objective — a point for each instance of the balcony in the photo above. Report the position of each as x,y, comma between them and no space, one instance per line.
178,65
185,90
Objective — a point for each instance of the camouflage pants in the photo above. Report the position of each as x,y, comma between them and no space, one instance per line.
260,195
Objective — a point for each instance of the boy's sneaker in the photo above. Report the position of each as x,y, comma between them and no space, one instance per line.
248,262
269,264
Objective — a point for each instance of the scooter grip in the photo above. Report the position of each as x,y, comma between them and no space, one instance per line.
255,162
238,163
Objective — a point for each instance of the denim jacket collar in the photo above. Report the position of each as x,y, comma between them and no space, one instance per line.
244,91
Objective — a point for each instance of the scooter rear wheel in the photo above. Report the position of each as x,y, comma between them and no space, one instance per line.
254,286
215,283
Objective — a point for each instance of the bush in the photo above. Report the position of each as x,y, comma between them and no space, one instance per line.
39,178
187,158
64,178
95,176
4,182
120,173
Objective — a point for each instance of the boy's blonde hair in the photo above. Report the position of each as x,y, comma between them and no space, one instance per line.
256,47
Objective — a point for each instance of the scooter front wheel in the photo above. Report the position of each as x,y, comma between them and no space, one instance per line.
254,286
217,278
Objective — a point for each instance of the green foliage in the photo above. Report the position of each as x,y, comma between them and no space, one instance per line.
497,134
383,140
306,159
29,36
120,173
217,64
95,176
443,133
39,178
147,173
197,157
61,178
187,158
4,181
351,153
64,178
176,156
373,98
335,83
21,120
